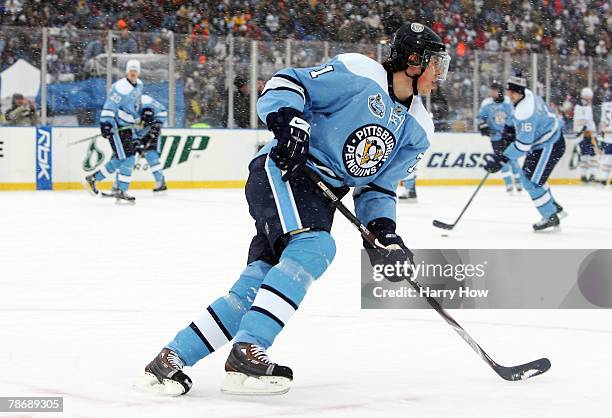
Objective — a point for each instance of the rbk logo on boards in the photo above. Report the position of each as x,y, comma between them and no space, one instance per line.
44,179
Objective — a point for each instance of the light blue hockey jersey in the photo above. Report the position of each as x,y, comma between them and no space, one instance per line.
361,136
159,111
535,124
497,115
122,106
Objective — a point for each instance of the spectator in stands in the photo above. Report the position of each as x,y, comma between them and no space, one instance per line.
95,47
22,112
125,44
242,102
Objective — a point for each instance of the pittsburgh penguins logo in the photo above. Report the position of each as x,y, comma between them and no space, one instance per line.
500,118
367,149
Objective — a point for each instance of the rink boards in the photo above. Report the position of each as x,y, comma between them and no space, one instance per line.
58,158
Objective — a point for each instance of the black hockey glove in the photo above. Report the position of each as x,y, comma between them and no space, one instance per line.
494,165
293,134
483,127
509,134
107,130
147,116
395,250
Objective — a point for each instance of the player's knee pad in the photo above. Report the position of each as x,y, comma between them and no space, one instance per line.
106,129
242,294
309,253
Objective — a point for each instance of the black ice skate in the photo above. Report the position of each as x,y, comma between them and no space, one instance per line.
90,185
165,374
547,224
123,197
251,361
560,212
161,188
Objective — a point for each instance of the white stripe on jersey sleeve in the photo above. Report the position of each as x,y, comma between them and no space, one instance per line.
277,82
125,116
365,67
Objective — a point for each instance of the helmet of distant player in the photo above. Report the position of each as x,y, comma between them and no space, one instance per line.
497,91
415,44
517,83
586,94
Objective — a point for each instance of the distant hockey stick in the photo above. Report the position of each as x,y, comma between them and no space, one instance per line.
439,224
520,372
89,138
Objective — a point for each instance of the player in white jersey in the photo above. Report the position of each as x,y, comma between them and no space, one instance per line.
605,127
585,125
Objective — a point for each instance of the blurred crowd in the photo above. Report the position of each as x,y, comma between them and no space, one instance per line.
572,32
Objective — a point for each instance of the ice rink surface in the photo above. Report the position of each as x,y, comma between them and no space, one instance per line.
90,292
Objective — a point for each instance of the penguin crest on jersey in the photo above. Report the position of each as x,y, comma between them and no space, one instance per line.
366,150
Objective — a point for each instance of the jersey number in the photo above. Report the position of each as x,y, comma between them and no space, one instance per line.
327,69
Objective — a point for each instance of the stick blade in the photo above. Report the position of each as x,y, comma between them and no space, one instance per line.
442,225
524,371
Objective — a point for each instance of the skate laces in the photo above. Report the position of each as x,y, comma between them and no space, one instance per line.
260,354
175,361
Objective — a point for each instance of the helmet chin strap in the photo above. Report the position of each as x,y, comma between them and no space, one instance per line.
415,80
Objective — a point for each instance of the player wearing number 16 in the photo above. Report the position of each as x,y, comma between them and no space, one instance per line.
356,123
540,140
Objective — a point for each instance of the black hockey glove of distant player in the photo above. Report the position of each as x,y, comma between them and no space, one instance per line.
293,134
509,134
494,165
483,127
394,248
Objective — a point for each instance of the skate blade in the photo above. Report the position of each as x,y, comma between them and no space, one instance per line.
241,384
149,383
562,215
122,202
551,230
409,200
160,194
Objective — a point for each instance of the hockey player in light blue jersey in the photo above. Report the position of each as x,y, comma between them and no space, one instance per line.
120,114
540,140
495,121
153,116
358,124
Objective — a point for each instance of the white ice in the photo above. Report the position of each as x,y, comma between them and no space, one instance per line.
90,291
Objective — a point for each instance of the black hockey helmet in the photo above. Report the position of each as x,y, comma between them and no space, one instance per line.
417,44
517,83
499,88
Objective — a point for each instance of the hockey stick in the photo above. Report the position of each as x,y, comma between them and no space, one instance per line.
89,138
520,372
439,224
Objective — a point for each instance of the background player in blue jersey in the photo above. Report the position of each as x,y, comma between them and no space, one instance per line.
495,121
120,113
539,138
358,124
407,188
153,116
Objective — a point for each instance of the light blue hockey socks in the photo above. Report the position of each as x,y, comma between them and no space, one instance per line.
304,260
